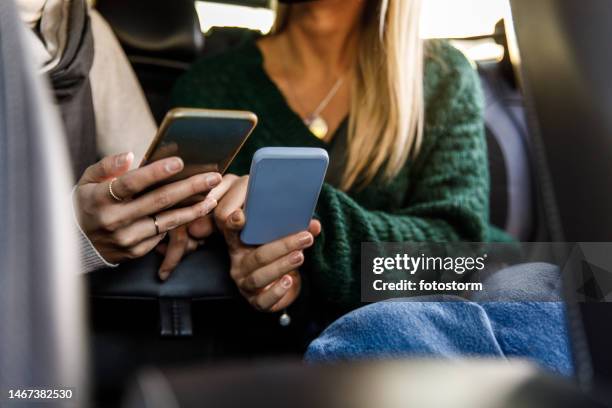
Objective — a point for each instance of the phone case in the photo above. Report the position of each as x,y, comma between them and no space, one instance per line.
283,190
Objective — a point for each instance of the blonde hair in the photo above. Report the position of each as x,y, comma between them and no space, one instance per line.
387,103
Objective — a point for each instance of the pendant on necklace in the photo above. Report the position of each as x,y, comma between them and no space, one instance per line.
317,126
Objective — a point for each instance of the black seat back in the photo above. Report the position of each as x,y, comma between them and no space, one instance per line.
157,29
161,38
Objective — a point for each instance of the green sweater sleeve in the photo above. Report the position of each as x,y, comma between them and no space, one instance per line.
447,199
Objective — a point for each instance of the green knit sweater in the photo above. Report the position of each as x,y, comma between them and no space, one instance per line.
440,196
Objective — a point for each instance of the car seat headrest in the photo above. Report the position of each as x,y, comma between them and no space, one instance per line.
155,28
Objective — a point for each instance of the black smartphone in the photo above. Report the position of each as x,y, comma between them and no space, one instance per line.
206,139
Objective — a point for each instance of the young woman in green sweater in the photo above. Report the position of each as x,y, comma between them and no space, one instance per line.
401,119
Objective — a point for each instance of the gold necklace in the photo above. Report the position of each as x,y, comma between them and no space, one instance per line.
315,122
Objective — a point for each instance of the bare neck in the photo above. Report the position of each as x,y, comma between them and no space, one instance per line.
322,36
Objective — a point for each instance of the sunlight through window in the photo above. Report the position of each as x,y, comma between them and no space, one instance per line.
461,18
440,19
213,14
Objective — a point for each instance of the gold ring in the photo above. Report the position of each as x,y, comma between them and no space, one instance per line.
111,192
154,218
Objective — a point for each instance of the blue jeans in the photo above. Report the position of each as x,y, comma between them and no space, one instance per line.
454,328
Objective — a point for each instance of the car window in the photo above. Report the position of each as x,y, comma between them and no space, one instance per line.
440,19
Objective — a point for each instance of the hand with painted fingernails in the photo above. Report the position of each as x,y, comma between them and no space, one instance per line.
123,218
268,275
187,238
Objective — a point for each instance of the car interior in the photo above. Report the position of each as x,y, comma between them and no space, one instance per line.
152,344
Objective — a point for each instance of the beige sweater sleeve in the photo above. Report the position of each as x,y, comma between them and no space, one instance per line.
123,119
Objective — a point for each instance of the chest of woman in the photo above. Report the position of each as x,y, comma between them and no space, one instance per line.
378,195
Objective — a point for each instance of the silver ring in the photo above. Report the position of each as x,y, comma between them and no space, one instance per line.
154,218
111,192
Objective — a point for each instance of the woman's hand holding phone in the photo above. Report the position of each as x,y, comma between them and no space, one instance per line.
267,275
186,238
122,225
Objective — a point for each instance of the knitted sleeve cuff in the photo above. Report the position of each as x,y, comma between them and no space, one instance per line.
90,258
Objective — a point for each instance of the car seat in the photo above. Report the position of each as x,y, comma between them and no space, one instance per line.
161,39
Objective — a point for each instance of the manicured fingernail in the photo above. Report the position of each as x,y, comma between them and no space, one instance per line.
174,165
304,239
296,258
286,281
213,180
235,218
163,275
123,159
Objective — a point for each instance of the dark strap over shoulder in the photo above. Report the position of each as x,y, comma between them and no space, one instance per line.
72,89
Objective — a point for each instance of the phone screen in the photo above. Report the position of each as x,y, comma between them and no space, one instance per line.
206,140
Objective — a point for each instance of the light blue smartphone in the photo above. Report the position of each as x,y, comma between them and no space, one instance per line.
283,190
